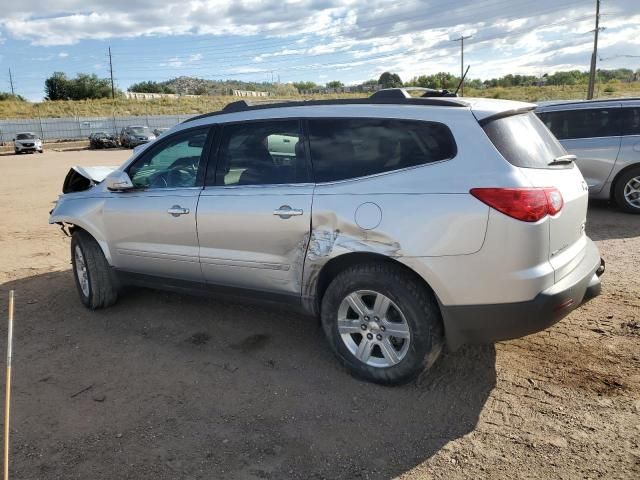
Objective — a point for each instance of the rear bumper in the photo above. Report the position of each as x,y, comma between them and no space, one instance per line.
466,324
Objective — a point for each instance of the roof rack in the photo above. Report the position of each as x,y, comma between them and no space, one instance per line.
403,92
391,96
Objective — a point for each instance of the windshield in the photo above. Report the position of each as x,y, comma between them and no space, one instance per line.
139,130
524,141
25,136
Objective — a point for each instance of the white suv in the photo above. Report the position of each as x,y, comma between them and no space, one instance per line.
27,142
403,223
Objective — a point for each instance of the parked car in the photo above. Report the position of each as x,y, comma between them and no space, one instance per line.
403,223
102,140
604,135
135,135
159,131
27,142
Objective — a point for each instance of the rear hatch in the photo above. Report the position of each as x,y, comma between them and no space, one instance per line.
527,144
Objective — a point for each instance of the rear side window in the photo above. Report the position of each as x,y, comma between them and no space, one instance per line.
524,141
630,121
583,123
356,147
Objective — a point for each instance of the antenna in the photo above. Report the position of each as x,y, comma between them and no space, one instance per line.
461,80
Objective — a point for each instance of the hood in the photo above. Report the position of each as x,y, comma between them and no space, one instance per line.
82,178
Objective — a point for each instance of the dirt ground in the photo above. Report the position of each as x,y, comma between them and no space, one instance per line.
167,386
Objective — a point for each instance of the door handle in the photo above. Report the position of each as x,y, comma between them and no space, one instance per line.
285,211
177,210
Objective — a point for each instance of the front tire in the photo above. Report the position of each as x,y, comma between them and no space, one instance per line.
381,323
627,191
94,279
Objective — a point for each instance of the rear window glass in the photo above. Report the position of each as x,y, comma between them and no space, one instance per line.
524,141
356,147
583,123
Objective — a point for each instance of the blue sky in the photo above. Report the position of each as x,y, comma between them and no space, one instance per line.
318,40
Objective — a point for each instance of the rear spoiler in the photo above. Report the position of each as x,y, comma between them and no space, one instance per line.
505,113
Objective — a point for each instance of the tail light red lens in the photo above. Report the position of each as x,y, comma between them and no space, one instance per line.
526,204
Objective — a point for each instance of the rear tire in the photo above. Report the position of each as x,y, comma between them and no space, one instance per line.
627,191
94,279
390,301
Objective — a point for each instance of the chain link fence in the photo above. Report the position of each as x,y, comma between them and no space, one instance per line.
79,128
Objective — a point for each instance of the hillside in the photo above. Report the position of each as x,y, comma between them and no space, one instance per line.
208,103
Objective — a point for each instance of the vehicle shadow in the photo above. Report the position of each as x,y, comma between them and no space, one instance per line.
163,385
605,221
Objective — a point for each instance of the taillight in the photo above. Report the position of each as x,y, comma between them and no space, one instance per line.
526,204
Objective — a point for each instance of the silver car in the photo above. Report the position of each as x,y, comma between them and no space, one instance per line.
403,223
604,135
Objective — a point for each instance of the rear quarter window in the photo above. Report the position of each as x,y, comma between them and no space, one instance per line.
346,148
583,123
524,141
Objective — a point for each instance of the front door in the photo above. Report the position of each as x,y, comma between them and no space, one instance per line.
254,213
153,227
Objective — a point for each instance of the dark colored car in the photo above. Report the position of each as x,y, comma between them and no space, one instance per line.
102,140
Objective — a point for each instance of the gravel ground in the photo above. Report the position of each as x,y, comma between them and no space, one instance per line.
167,386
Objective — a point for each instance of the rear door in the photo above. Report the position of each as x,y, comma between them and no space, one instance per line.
254,213
526,143
592,134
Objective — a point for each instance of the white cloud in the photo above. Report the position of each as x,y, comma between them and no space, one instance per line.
411,36
63,54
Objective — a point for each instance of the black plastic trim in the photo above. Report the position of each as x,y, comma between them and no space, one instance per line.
471,324
243,106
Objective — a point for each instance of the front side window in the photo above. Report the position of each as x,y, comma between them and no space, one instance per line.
261,153
583,123
173,164
355,147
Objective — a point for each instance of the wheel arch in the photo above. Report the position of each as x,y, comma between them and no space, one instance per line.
338,264
616,179
73,227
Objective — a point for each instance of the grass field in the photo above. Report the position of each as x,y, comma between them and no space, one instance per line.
190,105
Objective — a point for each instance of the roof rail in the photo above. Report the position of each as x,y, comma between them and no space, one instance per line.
386,99
403,92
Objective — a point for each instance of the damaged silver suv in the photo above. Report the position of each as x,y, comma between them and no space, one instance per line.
405,223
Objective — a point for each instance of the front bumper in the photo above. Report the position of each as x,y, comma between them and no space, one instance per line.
466,324
24,148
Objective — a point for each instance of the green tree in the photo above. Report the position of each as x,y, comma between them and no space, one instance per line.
56,87
335,84
390,80
300,86
11,96
150,87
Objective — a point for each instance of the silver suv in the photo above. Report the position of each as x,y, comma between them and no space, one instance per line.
403,223
605,137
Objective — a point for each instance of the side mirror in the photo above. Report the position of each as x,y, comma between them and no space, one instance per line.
118,182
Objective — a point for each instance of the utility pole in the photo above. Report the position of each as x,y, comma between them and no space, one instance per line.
113,90
592,71
461,39
13,93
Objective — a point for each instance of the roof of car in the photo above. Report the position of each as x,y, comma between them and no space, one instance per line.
559,104
483,108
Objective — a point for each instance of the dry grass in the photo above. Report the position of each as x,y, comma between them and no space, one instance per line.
190,105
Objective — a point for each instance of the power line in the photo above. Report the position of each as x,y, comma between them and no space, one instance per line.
594,55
